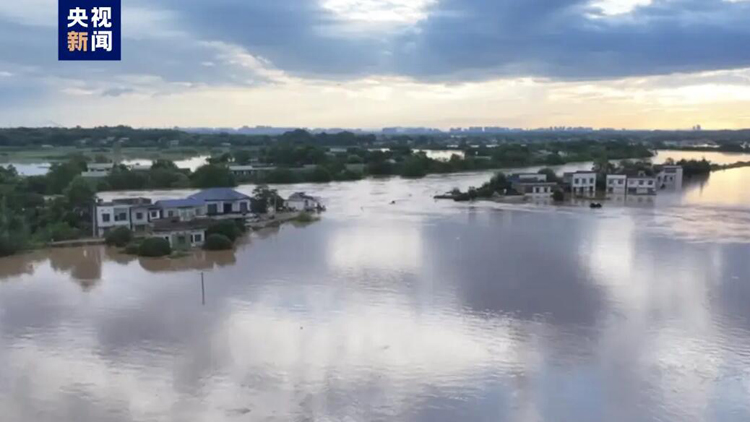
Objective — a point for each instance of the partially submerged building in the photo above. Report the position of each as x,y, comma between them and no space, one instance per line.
532,185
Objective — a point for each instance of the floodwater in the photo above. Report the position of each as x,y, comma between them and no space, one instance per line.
41,168
420,310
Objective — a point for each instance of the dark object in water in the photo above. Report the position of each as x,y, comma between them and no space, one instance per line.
595,205
393,202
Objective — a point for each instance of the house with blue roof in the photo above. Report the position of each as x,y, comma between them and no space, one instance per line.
222,202
206,205
180,209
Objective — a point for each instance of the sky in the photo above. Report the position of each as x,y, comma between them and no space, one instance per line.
638,64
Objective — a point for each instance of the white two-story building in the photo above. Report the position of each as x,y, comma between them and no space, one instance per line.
617,184
582,183
670,177
641,185
98,170
532,185
133,213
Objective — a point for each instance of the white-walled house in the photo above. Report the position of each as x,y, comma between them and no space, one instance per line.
133,213
641,185
250,170
180,209
581,182
95,170
616,184
532,185
226,202
670,177
182,234
300,201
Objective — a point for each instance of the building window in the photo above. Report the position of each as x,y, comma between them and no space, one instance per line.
139,216
197,238
171,213
212,209
121,216
154,214
640,182
105,218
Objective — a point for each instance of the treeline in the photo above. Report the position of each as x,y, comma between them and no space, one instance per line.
28,217
405,161
128,137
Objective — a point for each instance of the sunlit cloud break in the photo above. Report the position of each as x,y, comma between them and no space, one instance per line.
367,63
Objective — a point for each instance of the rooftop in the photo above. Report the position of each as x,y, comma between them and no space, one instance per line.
218,194
301,195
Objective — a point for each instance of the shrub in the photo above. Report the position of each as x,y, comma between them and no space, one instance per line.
62,231
132,248
154,247
305,217
558,196
320,175
9,245
119,237
228,228
217,242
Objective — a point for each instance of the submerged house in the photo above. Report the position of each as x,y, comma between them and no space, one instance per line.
300,201
223,202
616,184
581,182
180,209
139,214
532,185
182,234
641,185
669,177
132,213
97,170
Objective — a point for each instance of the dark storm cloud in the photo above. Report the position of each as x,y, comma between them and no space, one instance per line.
482,39
459,40
561,39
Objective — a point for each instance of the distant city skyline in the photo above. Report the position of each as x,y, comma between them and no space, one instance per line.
632,64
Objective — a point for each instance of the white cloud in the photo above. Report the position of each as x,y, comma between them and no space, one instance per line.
619,7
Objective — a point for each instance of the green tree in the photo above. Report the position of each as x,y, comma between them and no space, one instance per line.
60,175
213,176
320,175
154,247
414,167
13,231
217,242
80,194
228,228
263,198
242,157
62,231
162,164
119,237
551,175
121,178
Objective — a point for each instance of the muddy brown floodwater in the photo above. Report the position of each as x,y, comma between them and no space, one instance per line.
420,310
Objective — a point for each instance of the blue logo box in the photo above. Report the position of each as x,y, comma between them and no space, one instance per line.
89,30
